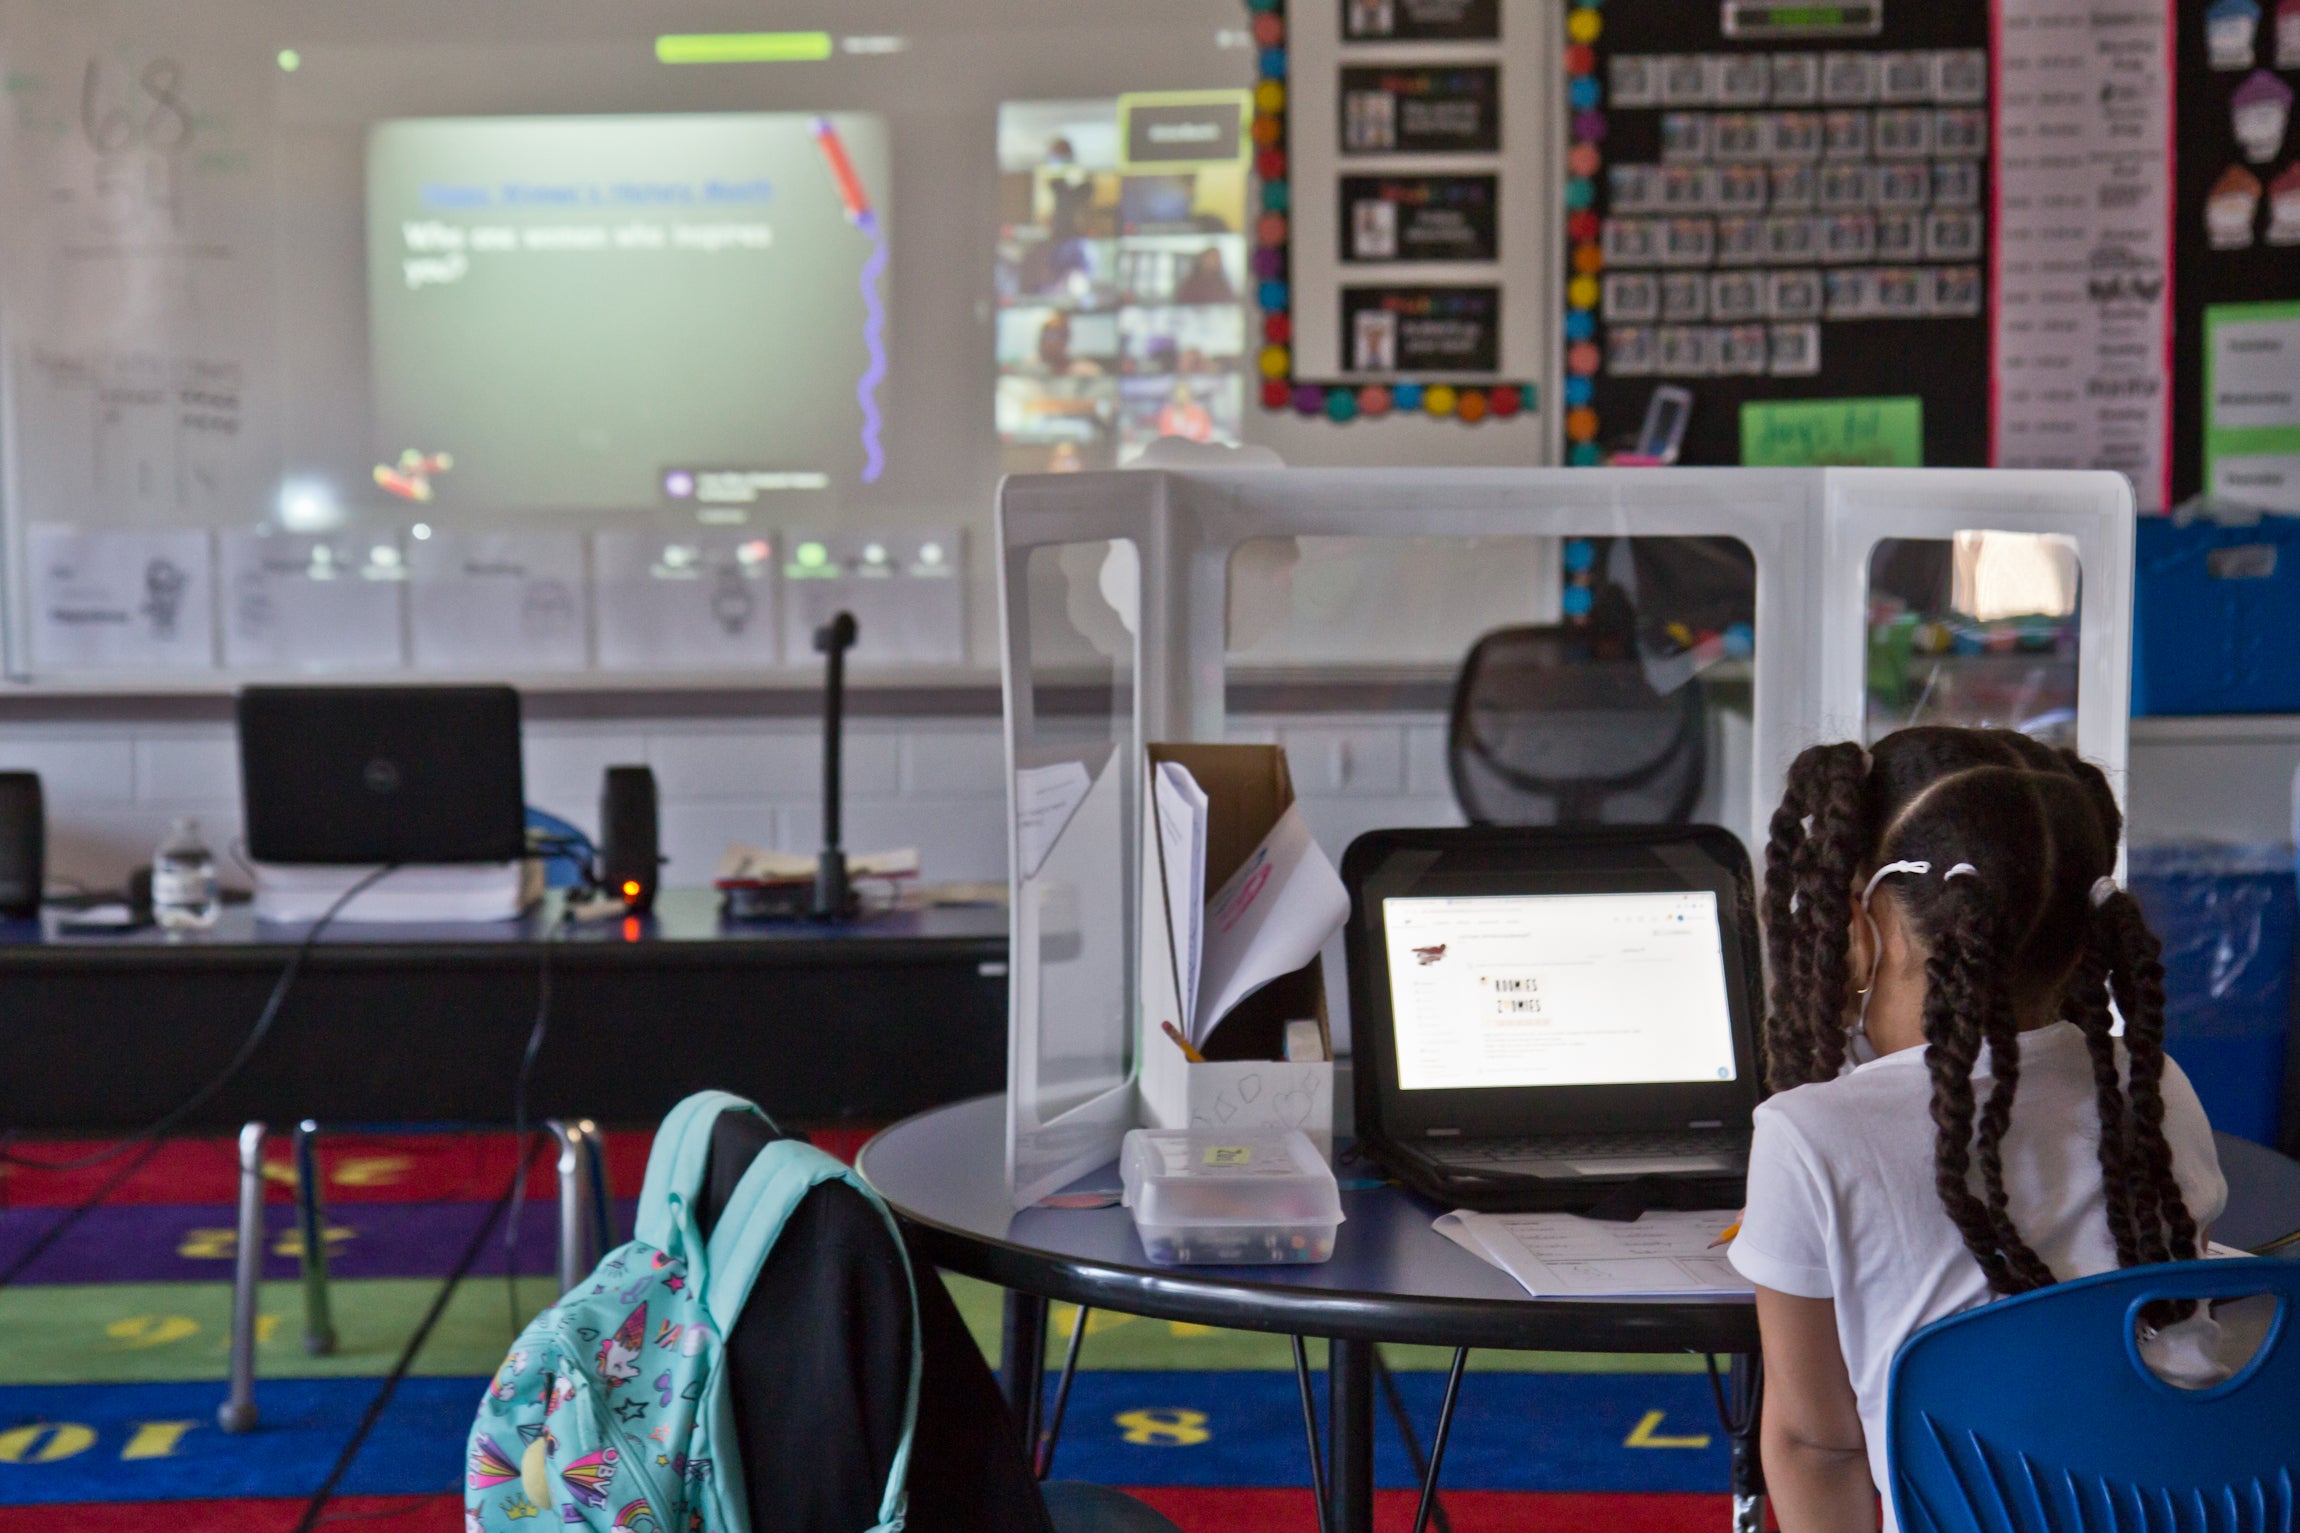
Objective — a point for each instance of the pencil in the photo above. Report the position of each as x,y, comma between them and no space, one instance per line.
1731,1230
1183,1044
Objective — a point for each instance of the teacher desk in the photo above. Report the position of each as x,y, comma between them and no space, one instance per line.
867,1020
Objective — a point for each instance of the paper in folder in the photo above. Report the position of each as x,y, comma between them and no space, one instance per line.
1269,918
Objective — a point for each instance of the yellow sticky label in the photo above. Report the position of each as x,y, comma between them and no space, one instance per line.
1229,1154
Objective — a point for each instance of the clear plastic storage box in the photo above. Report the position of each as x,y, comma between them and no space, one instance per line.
1230,1197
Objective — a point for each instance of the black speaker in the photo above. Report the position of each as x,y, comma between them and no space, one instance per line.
23,845
630,850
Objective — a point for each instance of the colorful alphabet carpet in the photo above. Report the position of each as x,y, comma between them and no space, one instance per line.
115,1352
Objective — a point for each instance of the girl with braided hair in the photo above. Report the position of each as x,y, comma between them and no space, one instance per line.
1952,1118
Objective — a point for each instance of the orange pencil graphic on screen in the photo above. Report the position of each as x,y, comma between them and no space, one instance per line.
410,477
852,197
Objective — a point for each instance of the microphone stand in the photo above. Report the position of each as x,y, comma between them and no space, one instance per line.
834,897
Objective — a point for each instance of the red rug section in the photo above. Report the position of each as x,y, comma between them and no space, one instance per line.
354,1168
1470,1511
376,1514
1196,1511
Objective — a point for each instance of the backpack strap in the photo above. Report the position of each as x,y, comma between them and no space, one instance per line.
675,1166
783,1173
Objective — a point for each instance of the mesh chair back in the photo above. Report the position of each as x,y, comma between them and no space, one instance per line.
2036,1414
1559,726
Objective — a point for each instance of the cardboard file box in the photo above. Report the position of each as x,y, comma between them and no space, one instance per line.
1246,1082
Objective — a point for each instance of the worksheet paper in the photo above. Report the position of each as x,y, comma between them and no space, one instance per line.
686,601
1045,797
1182,858
906,589
498,600
312,601
1270,918
1666,1251
120,599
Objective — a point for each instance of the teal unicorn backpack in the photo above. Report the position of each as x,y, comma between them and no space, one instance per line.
612,1411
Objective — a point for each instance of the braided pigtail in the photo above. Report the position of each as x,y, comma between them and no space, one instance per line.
2167,1231
1818,840
1975,923
1956,994
1788,1052
2115,940
2086,1005
2000,1030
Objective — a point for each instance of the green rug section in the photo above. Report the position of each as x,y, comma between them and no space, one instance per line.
105,1333
1129,1342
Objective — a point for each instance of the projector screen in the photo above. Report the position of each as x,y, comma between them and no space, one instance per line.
619,313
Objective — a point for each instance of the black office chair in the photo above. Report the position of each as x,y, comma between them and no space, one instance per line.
799,1387
1558,725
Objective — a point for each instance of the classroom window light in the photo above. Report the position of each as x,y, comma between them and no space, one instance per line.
307,505
2000,575
742,47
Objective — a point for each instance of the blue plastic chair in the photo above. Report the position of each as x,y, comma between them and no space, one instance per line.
2035,1414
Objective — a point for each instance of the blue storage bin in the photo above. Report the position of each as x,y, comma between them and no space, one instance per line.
2214,612
2227,918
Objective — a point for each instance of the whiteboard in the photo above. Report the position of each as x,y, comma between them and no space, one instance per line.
184,331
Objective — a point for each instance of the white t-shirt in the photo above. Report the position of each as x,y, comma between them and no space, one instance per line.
1842,1203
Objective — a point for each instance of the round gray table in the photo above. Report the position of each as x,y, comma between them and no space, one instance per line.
1392,1278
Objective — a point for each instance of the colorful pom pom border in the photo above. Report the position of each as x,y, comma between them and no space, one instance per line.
1273,259
1585,251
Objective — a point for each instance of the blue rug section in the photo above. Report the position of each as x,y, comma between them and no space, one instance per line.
160,1442
192,1242
1512,1431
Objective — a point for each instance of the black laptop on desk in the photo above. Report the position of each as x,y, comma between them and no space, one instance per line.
1556,1018
404,774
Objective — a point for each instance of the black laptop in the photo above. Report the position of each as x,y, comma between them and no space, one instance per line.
1552,1018
364,775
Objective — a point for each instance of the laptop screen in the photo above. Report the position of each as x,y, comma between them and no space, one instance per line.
1558,990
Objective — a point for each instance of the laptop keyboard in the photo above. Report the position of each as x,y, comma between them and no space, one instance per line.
1584,1146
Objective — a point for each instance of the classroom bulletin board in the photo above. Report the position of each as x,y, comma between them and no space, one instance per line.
2237,345
1767,205
1406,151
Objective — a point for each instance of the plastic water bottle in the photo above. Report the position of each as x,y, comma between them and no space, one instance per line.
184,896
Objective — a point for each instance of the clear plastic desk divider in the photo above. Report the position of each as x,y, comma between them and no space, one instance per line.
1114,596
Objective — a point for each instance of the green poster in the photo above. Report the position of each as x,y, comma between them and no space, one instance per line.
2252,404
1833,433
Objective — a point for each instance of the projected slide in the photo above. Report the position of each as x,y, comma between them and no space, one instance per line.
610,313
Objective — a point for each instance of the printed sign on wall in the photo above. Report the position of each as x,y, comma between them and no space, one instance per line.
1403,149
1414,219
1422,329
